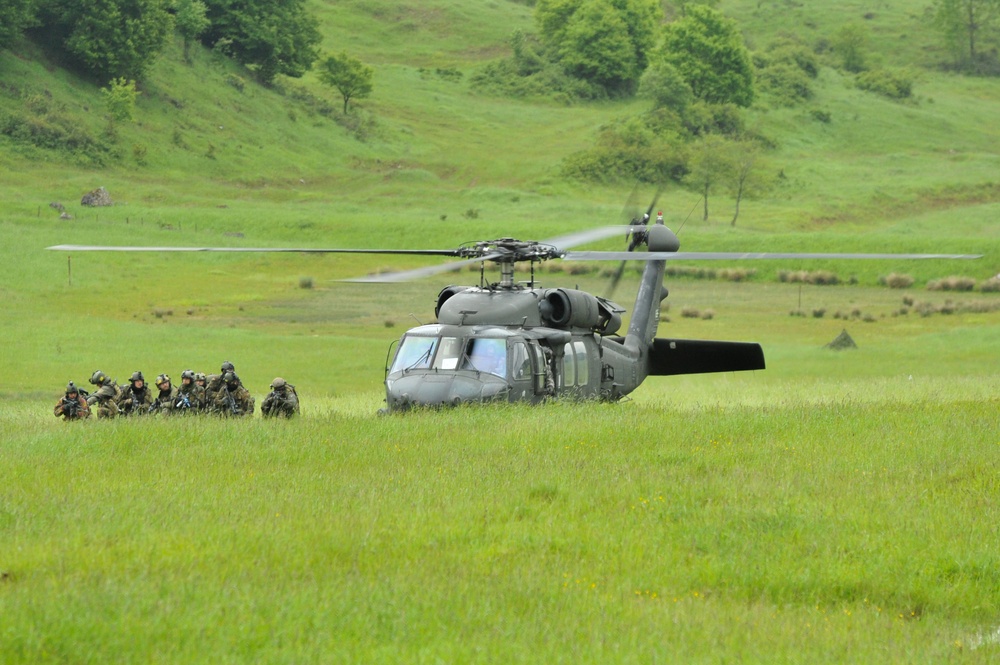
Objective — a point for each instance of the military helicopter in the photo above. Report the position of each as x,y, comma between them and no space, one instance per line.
517,342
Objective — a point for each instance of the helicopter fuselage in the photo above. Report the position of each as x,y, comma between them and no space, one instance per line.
517,345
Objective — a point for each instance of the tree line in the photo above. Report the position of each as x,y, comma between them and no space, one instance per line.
115,40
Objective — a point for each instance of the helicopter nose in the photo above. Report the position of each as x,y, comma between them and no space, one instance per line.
443,390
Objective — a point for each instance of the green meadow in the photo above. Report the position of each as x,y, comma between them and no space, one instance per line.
837,507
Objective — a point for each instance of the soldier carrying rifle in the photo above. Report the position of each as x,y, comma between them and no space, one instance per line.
73,405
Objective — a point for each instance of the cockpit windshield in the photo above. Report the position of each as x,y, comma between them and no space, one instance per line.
414,353
481,354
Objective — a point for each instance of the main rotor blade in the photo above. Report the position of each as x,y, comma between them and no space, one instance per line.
299,250
418,273
739,256
600,233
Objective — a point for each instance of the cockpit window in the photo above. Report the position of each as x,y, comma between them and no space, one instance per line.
481,354
414,353
486,354
449,353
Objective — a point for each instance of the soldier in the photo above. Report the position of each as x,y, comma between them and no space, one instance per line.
72,406
190,398
201,381
166,398
215,382
137,397
281,401
233,399
106,396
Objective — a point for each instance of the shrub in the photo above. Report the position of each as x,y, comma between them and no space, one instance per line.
953,283
305,282
816,277
990,286
896,281
690,313
892,84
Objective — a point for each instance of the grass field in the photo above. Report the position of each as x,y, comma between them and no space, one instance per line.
838,507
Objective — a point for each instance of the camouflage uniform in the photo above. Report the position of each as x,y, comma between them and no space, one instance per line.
137,397
214,384
281,401
165,399
106,396
73,406
190,397
233,399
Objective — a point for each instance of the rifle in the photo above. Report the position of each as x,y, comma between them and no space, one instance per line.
70,407
183,401
154,407
231,404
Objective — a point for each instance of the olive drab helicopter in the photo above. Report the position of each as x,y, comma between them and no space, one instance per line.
518,342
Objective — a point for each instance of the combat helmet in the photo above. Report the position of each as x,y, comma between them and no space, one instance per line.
227,367
71,388
229,377
137,376
188,374
200,376
279,384
98,378
161,379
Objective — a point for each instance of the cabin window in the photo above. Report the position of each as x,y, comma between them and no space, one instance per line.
414,353
576,370
582,367
486,354
569,366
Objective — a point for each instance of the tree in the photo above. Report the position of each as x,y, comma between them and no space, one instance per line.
192,20
708,51
964,24
15,17
606,42
110,38
746,178
850,44
119,100
664,85
709,165
351,77
270,37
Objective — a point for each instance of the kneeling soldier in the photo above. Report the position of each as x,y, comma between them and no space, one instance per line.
233,399
106,396
137,397
166,398
190,398
281,401
72,406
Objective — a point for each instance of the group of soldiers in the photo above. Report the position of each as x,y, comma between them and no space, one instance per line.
222,394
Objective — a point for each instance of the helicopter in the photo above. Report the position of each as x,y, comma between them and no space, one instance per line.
510,341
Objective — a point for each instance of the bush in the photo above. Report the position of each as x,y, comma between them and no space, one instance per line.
990,285
953,283
892,84
896,281
816,277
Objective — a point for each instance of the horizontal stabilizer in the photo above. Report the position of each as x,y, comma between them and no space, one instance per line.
695,356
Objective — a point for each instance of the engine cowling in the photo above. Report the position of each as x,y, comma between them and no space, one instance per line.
569,308
446,293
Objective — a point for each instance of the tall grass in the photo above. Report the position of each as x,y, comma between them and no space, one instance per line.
838,532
